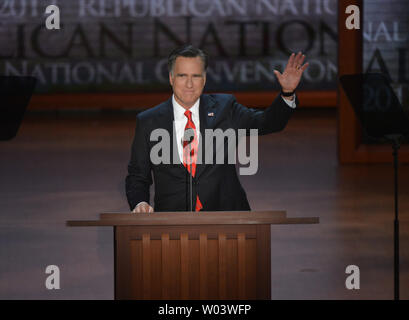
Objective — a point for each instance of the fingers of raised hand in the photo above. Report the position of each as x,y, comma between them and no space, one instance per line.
296,61
300,60
305,66
290,62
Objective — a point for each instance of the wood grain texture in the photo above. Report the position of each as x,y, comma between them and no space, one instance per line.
241,264
184,266
203,266
231,267
263,262
146,260
137,280
123,262
165,267
222,266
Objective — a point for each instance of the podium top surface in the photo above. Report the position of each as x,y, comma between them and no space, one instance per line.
193,218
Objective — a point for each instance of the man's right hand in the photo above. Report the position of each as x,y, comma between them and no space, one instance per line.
142,207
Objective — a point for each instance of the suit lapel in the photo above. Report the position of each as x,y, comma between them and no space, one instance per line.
166,122
207,116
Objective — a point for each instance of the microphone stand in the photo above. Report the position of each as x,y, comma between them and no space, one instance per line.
189,164
394,129
395,139
191,176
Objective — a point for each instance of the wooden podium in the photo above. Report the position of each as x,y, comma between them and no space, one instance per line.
189,255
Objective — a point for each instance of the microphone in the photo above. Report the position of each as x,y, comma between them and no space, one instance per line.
188,137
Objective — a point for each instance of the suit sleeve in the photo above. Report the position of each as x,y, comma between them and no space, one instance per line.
139,178
272,119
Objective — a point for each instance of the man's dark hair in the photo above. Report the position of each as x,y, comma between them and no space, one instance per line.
187,51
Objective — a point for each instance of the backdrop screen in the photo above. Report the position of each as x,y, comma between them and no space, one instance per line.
122,45
386,42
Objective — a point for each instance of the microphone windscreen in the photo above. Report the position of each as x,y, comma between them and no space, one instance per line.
188,136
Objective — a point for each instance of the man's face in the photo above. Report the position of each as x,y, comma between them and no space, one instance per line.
188,80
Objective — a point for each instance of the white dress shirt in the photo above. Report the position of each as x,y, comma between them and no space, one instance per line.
181,121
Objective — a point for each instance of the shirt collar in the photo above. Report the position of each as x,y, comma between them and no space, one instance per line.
179,111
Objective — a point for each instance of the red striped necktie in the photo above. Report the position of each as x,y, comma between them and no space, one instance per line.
189,161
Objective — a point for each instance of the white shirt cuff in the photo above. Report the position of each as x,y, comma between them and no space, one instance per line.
291,103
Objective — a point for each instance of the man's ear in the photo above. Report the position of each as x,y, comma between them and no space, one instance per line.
170,79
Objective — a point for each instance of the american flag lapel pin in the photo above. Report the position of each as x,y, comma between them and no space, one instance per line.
210,114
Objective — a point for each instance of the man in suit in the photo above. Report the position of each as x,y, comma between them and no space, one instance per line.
214,186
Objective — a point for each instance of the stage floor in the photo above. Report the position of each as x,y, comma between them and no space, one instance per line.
72,167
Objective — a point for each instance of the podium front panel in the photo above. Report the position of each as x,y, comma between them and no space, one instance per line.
192,262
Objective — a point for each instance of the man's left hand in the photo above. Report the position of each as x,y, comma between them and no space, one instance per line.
291,76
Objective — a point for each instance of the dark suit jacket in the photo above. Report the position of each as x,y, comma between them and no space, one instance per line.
217,185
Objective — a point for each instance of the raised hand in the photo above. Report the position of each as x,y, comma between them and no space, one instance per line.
291,76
